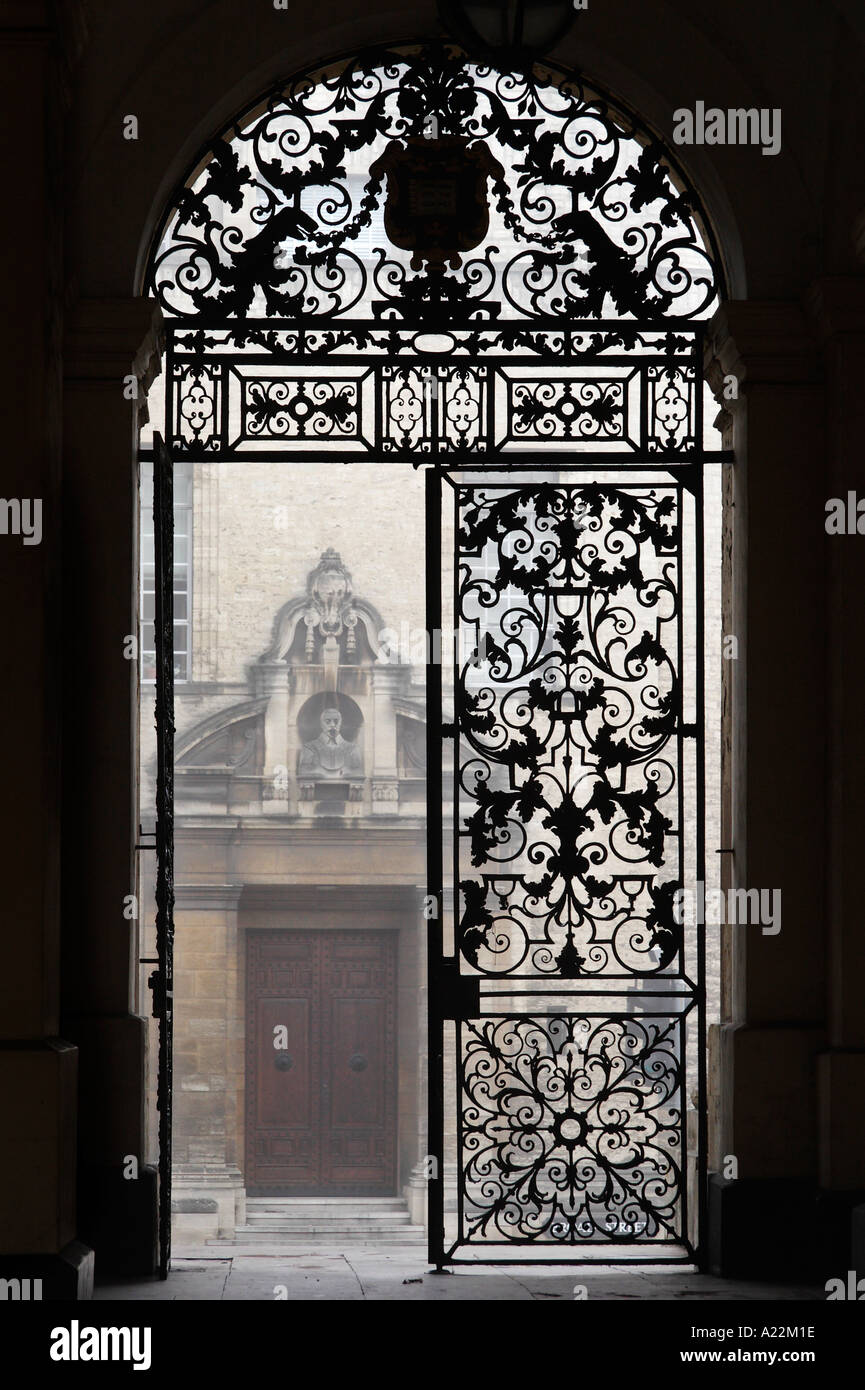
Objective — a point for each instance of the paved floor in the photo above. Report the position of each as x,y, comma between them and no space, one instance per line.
402,1272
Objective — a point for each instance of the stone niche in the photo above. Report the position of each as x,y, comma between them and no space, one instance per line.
330,724
330,759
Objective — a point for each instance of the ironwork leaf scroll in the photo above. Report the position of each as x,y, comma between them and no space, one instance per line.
569,772
571,1128
568,766
589,217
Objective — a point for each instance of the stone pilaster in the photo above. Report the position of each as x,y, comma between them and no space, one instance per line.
763,1057
837,308
280,761
38,1068
111,355
388,681
209,1067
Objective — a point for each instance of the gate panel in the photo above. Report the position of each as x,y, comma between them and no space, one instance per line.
569,1038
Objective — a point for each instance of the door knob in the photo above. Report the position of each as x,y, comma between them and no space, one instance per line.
283,1061
357,1062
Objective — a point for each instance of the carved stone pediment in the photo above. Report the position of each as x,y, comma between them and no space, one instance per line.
329,623
220,759
231,740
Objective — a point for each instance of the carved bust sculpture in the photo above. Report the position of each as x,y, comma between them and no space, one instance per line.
330,755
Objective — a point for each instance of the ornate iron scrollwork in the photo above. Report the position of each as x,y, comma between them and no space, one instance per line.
571,1129
550,376
589,215
407,397
566,734
570,775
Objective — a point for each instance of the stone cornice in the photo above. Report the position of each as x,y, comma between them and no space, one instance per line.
311,897
207,895
761,342
107,339
287,830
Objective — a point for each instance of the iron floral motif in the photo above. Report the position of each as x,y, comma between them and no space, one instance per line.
284,408
590,218
568,770
568,409
571,1129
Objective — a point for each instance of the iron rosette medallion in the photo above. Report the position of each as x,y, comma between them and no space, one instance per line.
571,1129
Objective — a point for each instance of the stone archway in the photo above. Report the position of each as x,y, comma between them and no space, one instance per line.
301,333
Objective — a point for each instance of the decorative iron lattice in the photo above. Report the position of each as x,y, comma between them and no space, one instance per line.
571,1129
589,215
568,732
548,374
576,819
411,394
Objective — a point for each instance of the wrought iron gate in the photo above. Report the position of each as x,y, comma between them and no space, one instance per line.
552,388
566,998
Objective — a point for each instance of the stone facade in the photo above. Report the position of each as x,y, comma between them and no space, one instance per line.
299,780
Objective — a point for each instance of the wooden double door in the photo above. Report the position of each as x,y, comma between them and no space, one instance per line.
321,1063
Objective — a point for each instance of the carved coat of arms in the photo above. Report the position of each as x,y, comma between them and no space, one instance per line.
436,204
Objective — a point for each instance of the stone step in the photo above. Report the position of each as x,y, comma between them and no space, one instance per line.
285,1242
391,1222
328,1237
385,1199
326,1221
323,1213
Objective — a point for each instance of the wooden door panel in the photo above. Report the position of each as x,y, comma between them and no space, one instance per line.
357,1063
284,1075
358,1000
283,1131
321,1112
354,1138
